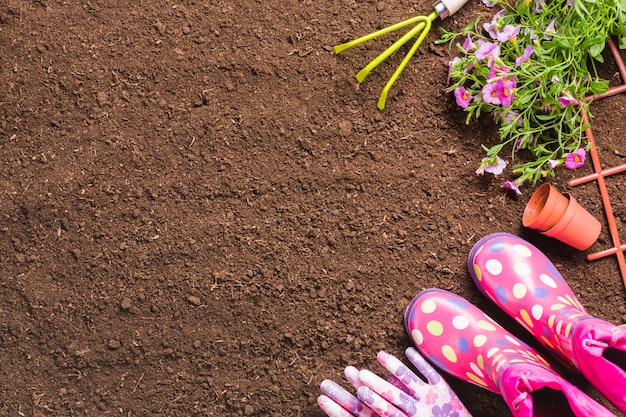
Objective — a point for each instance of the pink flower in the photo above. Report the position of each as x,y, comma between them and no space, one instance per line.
553,163
463,98
550,31
492,27
508,32
575,159
567,99
451,65
525,56
487,50
493,165
469,44
504,89
490,94
513,185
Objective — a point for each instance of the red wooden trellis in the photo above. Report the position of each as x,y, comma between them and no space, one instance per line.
600,174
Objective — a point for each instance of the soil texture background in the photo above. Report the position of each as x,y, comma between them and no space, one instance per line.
202,212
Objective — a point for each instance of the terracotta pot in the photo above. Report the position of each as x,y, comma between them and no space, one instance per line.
572,225
544,209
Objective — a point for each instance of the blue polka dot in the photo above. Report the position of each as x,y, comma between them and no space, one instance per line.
463,344
457,303
501,342
497,246
501,294
438,363
541,292
553,271
546,332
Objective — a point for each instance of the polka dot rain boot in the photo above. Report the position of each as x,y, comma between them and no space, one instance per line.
521,280
463,341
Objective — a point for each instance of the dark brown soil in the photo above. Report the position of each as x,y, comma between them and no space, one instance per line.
203,214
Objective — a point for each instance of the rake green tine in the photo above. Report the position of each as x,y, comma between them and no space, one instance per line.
383,95
423,21
388,29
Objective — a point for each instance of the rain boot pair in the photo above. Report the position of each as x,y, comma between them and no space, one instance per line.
466,343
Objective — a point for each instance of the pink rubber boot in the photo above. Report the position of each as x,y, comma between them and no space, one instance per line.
463,341
521,280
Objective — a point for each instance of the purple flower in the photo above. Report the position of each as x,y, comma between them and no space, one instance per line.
525,56
539,4
513,185
487,50
550,31
493,165
508,32
575,159
489,3
445,411
463,98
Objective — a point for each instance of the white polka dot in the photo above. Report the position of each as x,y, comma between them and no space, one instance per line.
521,268
519,291
460,322
522,250
494,267
418,337
537,311
428,306
512,340
479,340
548,280
492,352
476,370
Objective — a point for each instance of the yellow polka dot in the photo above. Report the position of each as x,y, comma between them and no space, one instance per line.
480,361
519,291
496,358
516,360
428,306
478,273
567,329
479,340
435,328
526,317
551,320
475,379
418,337
449,353
547,342
557,306
522,250
485,325
559,324
521,269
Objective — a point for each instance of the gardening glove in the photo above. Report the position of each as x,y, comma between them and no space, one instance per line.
402,394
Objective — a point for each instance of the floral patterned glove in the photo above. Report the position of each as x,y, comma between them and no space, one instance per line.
402,394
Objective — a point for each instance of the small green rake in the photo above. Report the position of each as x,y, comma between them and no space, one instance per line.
443,9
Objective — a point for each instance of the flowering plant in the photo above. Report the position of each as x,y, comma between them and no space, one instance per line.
532,67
